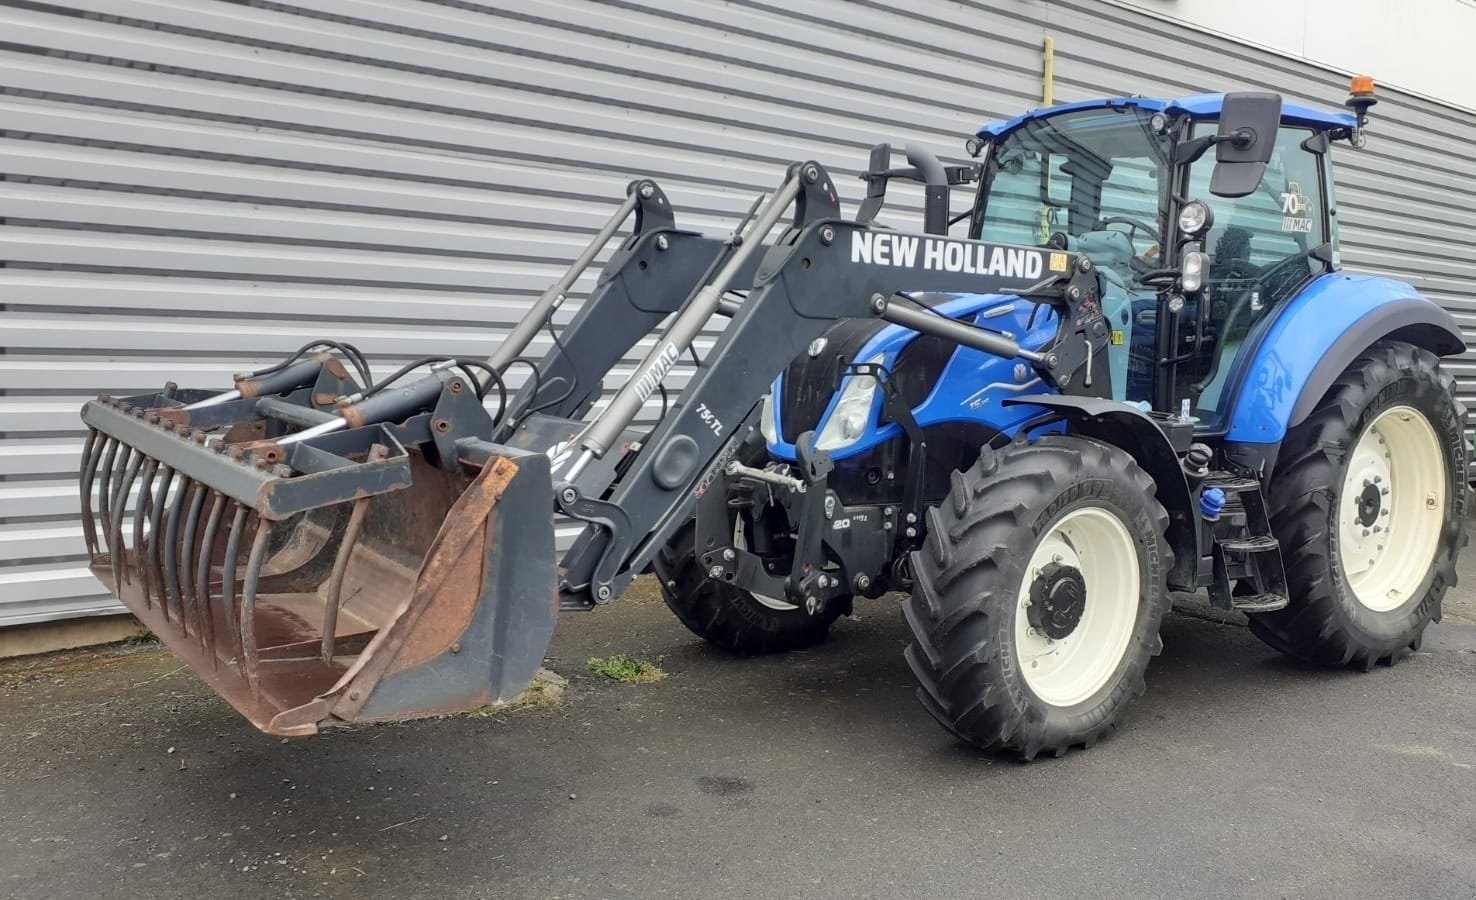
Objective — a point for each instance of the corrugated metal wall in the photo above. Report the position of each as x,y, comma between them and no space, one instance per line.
192,187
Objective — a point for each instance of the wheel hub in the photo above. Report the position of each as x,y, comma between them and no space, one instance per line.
1057,600
1369,504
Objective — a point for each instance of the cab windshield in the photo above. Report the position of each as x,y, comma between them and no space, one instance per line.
1091,181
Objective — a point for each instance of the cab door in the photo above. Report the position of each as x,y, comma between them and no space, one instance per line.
1263,249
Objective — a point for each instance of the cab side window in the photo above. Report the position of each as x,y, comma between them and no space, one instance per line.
1263,235
1023,208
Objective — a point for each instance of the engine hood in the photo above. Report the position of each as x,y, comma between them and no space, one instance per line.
805,393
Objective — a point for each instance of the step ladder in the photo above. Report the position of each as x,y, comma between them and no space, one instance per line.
1244,549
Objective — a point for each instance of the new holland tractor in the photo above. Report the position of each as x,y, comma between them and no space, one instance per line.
1133,366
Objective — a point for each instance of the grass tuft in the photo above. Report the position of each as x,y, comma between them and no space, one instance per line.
626,670
545,692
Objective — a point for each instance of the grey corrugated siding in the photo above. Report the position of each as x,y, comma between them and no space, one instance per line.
192,187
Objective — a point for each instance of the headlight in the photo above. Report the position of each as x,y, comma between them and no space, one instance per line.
766,419
1196,264
1195,219
852,412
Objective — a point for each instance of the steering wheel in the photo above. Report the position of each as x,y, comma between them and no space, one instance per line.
1136,225
1138,264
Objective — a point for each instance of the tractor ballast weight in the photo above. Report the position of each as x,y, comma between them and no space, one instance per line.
328,550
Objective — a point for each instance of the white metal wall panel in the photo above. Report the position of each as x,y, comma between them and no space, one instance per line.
192,187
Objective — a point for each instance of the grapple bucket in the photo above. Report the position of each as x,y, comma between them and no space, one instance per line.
339,580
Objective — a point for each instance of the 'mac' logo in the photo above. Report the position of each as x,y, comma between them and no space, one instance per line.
651,378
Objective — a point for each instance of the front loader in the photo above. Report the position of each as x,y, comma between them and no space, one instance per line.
1037,430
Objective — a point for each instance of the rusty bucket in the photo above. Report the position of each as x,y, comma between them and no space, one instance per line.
343,583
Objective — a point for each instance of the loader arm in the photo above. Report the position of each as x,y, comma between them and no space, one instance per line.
645,280
821,269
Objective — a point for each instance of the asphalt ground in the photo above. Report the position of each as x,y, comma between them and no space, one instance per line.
816,774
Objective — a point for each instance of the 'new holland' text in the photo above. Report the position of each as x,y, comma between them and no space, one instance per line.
888,249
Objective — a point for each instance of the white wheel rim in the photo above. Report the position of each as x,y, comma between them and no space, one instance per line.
1392,508
740,542
1067,671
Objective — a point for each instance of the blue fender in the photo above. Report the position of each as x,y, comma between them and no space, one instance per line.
1317,336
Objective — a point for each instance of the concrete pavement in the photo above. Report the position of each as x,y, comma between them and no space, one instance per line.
814,774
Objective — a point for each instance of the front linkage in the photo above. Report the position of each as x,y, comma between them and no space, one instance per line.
861,540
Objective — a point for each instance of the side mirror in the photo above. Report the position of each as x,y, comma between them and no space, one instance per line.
1248,123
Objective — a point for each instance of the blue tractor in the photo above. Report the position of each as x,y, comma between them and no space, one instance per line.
1133,366
1303,454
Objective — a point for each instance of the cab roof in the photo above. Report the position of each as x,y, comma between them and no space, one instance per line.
1196,105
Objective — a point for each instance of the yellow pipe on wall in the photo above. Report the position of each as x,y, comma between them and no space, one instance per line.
1048,79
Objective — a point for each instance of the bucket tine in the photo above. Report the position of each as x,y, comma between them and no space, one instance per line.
191,531
119,469
141,512
171,547
335,580
202,574
120,507
156,535
91,454
228,575
248,602
104,496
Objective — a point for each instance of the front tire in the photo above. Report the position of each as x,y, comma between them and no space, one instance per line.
1369,504
1005,655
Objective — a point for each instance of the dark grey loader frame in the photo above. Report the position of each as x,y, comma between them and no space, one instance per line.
290,450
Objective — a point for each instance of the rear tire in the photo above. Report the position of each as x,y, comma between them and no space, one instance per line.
1015,527
1385,449
732,618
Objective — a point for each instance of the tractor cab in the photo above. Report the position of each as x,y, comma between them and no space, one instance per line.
1197,228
